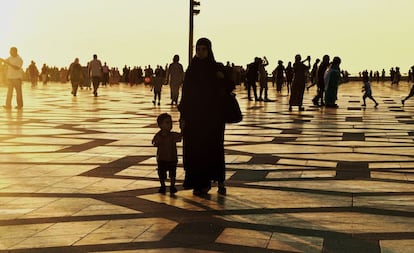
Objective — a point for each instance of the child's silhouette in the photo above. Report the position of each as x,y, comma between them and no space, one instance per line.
165,141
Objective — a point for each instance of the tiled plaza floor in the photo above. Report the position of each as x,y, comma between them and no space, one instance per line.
79,175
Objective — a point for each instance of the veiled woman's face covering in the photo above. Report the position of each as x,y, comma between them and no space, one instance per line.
201,52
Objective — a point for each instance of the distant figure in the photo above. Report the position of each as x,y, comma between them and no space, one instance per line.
252,75
367,89
105,74
175,77
75,75
289,76
263,80
95,72
397,76
314,74
298,83
392,73
14,78
332,78
156,82
165,140
279,76
44,74
34,74
320,81
86,80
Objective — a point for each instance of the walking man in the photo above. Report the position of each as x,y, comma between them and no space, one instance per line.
95,72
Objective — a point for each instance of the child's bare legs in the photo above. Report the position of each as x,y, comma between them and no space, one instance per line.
370,97
162,175
172,185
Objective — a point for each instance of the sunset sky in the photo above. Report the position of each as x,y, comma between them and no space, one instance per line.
366,34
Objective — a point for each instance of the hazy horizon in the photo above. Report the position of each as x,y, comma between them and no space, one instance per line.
365,34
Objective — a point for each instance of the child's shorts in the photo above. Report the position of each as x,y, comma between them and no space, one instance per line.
164,166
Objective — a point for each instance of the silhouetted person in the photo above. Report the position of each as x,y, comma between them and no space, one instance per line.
279,76
95,72
14,78
105,74
314,74
156,82
320,81
202,121
298,83
252,75
263,80
75,75
165,140
332,78
397,76
175,77
392,73
44,74
367,90
289,76
411,91
34,73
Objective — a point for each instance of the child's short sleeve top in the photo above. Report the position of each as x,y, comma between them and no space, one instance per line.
167,147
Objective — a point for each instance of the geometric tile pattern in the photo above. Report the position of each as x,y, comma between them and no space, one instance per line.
78,174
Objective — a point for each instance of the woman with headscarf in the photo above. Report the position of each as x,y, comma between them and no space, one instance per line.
332,78
202,122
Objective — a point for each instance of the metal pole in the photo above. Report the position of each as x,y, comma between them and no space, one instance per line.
190,39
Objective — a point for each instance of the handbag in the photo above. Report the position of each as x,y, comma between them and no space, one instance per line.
232,112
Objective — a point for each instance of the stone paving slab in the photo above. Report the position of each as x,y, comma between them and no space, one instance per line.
78,174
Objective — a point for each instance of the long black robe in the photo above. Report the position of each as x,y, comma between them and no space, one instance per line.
201,108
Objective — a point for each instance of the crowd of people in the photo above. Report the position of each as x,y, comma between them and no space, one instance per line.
203,86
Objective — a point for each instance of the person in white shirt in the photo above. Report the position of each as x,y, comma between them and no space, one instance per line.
95,72
14,78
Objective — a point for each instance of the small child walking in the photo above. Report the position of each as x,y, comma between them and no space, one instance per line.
156,83
165,140
367,89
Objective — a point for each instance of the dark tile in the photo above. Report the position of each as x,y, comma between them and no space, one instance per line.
353,137
283,139
353,119
249,175
352,170
348,245
300,121
263,159
291,131
255,108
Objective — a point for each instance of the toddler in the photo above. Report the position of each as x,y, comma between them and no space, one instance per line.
367,89
165,140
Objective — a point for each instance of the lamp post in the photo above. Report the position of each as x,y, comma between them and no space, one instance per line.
191,33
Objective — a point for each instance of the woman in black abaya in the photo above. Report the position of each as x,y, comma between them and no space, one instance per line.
201,121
